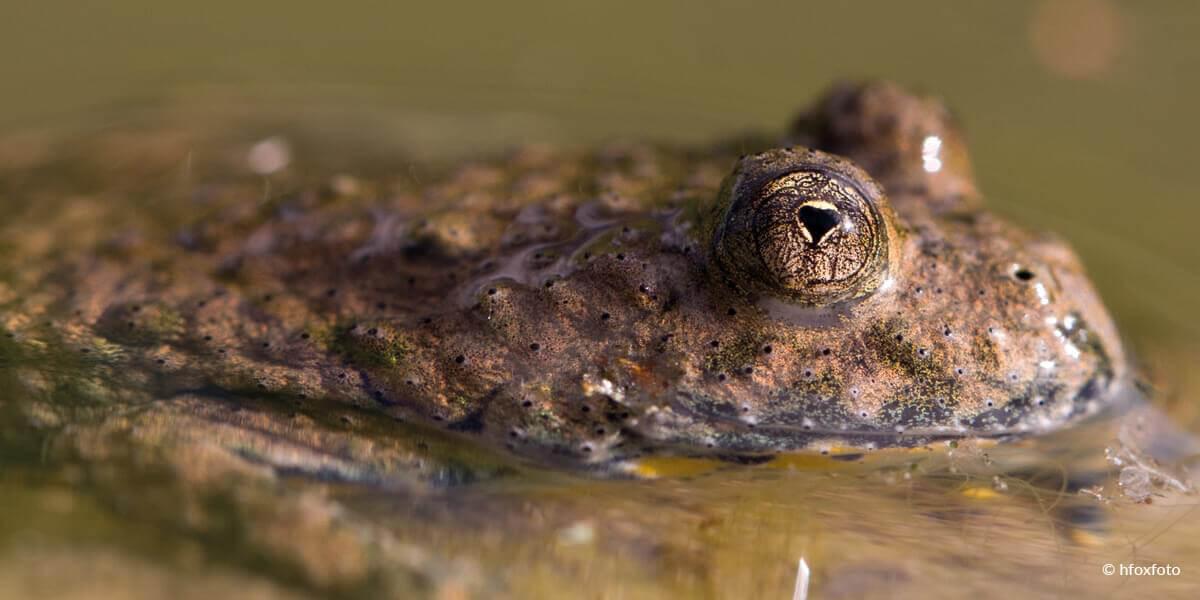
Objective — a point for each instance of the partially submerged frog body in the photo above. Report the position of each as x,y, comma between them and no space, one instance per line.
592,306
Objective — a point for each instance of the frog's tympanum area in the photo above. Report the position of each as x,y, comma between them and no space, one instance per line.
840,286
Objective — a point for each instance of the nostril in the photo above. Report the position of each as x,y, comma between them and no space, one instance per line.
818,221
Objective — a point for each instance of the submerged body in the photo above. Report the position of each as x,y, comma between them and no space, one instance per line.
594,306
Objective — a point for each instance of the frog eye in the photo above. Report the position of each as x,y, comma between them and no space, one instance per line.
804,226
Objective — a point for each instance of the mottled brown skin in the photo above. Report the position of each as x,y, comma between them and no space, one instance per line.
574,306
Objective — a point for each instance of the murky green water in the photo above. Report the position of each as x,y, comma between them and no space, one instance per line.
1081,119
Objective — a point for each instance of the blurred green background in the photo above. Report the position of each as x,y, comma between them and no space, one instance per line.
1081,112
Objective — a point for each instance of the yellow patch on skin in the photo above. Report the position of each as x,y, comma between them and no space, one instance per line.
829,460
672,466
1084,537
979,493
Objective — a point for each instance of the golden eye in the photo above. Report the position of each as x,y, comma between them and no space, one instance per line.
805,226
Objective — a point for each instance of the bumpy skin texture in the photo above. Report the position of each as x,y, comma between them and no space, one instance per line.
572,305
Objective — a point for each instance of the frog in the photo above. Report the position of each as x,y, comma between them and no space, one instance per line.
836,287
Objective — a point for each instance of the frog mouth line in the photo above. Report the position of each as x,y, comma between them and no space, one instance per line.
1120,396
